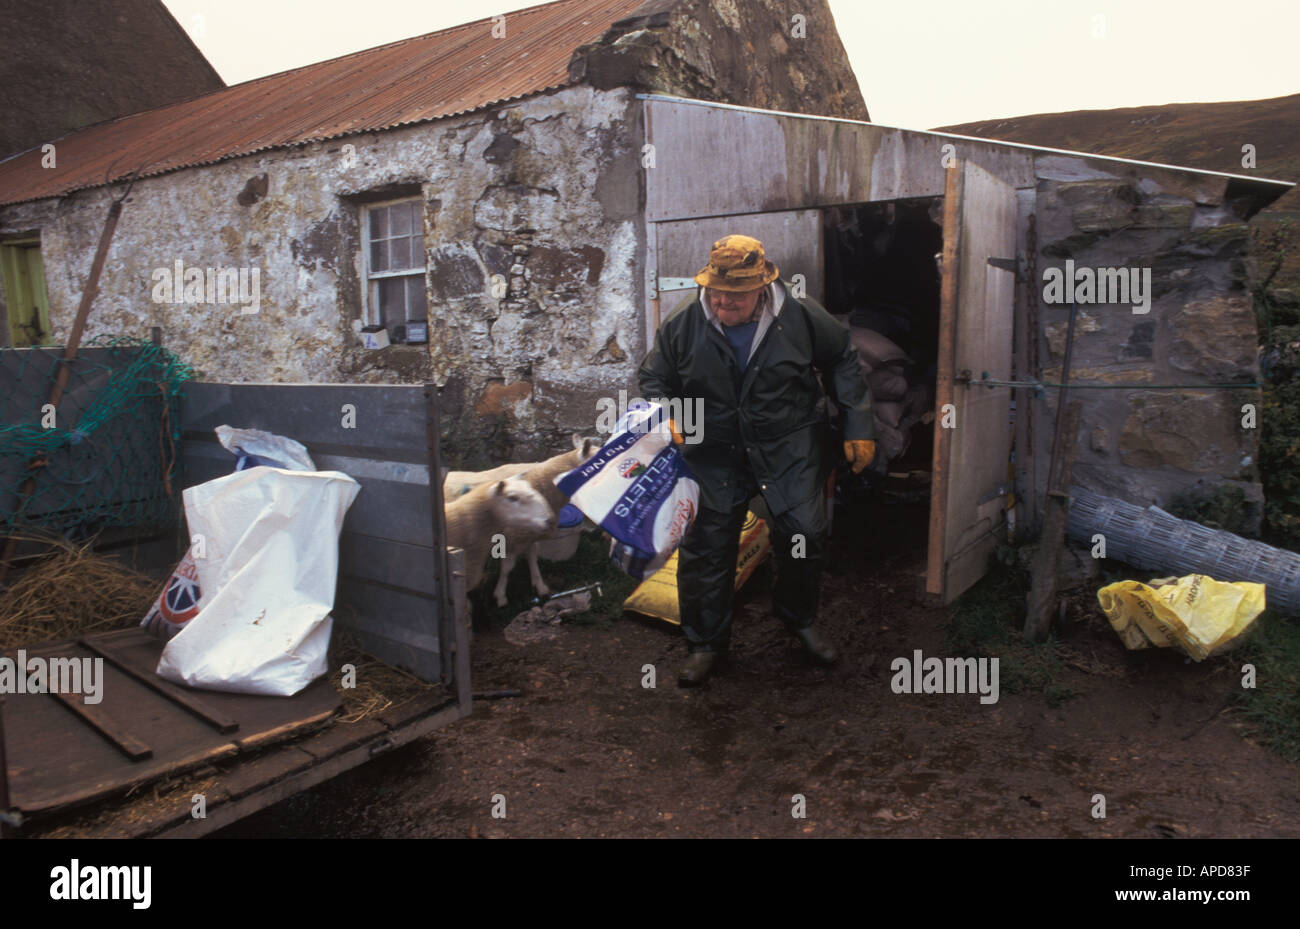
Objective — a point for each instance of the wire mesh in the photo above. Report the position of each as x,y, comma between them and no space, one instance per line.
1151,538
107,456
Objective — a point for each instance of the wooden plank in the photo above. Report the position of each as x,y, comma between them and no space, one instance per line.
356,419
394,564
393,625
342,736
390,510
248,774
405,713
943,391
976,318
460,619
1027,310
227,813
244,785
55,763
127,743
104,647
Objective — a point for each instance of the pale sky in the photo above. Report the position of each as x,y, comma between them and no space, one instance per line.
920,63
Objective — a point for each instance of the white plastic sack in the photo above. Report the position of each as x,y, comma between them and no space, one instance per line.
268,574
638,489
255,447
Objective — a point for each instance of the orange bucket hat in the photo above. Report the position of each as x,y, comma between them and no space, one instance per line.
737,263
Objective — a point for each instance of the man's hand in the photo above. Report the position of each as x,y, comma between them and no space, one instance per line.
860,453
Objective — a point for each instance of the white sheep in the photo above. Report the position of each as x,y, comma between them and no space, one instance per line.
504,507
553,544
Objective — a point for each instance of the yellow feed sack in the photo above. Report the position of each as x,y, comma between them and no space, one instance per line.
1196,613
657,595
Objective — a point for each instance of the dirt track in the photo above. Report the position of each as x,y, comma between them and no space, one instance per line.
588,751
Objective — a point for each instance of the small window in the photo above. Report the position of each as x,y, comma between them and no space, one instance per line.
394,249
23,277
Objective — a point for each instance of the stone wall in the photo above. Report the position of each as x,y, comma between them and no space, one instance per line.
544,192
1149,446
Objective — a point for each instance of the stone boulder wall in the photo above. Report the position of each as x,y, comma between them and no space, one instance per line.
1152,446
770,54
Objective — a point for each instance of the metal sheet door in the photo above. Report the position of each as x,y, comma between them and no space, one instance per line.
973,429
792,239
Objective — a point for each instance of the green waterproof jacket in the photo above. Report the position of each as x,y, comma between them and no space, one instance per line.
776,418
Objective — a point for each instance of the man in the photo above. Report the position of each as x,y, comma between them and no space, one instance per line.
752,351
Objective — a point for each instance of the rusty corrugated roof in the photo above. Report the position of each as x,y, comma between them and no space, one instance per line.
428,77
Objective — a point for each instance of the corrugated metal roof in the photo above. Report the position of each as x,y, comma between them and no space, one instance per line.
428,77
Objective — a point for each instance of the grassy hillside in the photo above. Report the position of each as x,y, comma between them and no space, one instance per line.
1199,135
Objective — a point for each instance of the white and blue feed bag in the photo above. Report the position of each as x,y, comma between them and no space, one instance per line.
639,489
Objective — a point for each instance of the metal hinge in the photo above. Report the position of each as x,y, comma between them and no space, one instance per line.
1000,491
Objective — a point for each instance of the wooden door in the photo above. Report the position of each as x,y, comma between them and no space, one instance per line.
973,426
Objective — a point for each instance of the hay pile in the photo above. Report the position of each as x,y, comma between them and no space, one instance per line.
379,686
69,593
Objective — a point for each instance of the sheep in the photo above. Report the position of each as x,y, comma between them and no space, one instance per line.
554,544
503,507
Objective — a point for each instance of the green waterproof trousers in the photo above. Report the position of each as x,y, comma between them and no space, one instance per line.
706,567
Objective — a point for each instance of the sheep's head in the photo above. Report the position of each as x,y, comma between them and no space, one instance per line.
519,506
585,448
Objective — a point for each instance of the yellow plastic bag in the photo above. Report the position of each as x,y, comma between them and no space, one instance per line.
1196,613
657,595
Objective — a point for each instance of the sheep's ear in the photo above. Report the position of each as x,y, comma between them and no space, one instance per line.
589,447
500,488
578,441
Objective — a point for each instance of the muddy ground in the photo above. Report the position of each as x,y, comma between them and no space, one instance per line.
588,751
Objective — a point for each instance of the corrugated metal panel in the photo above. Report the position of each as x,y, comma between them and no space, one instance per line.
428,77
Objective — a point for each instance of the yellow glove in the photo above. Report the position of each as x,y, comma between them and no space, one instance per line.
677,436
860,453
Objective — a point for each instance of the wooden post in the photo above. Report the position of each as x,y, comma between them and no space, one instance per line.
944,388
1042,592
453,645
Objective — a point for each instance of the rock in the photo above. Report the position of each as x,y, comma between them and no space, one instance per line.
498,398
1100,440
1196,431
542,622
1215,338
1100,205
1083,322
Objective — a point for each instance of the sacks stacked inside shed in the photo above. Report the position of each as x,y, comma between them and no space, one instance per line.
901,396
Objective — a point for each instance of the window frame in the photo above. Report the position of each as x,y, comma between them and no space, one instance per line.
370,279
22,277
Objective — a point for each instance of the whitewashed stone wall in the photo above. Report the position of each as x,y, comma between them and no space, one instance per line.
544,192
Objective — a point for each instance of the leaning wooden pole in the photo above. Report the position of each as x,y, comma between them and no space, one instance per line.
1043,586
69,355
